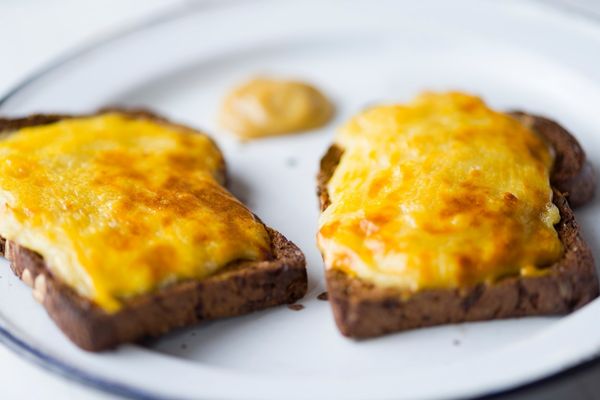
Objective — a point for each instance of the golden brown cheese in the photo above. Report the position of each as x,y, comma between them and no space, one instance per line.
440,193
119,206
268,107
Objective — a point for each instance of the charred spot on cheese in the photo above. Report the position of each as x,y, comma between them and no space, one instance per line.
440,193
268,107
119,206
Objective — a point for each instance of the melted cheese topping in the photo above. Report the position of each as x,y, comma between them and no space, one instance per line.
119,206
268,107
440,193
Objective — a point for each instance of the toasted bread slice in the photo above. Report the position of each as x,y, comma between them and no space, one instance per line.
363,310
239,288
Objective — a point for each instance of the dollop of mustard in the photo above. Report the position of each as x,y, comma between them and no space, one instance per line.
269,107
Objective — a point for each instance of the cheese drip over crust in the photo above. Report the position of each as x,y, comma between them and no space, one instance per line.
119,206
440,193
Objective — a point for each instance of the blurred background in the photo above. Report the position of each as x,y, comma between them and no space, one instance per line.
35,32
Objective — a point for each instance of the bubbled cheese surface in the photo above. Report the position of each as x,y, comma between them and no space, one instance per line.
440,193
119,206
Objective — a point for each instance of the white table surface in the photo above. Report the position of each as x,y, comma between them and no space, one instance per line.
34,32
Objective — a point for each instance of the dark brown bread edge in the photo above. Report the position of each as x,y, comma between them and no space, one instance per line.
572,174
240,288
362,310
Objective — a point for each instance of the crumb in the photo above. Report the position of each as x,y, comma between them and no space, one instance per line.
323,296
193,334
291,162
295,307
456,342
183,346
370,104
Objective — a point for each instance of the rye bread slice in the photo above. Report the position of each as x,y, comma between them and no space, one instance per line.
363,310
239,288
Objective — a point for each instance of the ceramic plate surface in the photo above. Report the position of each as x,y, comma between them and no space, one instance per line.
516,54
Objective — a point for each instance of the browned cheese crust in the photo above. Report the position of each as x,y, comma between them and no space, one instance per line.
363,310
240,288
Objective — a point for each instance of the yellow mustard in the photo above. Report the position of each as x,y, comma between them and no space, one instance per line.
268,107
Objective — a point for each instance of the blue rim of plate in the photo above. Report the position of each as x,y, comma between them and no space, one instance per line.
61,368
70,372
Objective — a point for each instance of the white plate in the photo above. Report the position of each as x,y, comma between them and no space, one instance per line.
516,54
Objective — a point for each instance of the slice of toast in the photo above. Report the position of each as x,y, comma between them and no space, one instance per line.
239,288
363,310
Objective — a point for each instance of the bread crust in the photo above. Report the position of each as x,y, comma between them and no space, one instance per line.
572,174
239,288
363,310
